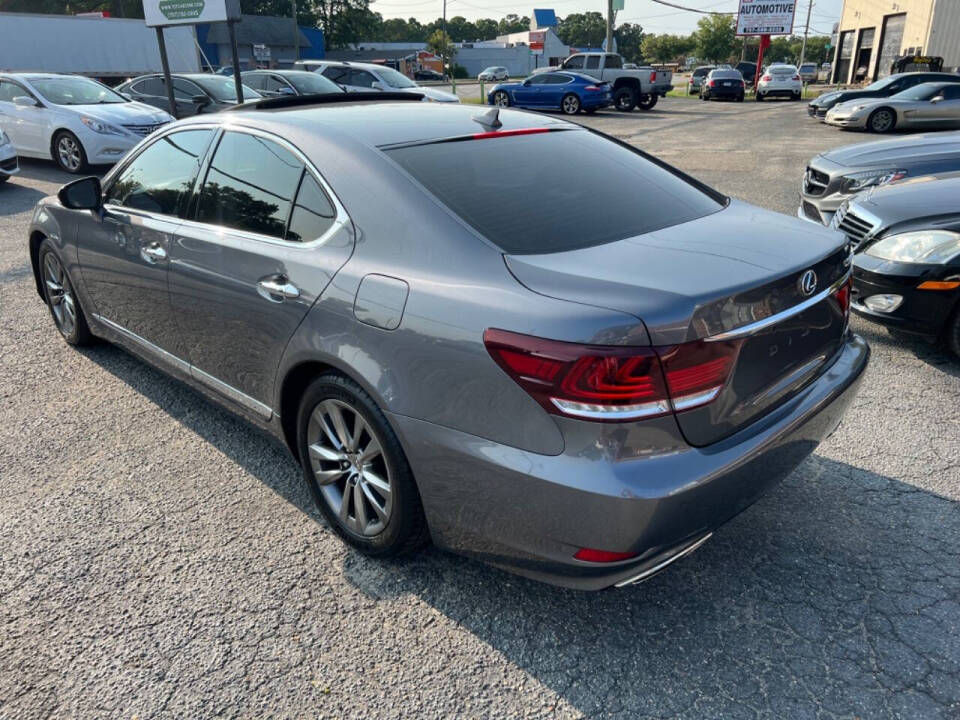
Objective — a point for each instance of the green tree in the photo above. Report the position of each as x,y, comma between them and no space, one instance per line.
439,44
715,38
513,23
666,48
630,42
587,29
487,29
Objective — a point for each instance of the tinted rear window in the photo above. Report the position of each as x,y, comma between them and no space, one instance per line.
555,191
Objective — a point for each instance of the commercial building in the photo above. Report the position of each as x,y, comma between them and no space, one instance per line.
262,41
874,33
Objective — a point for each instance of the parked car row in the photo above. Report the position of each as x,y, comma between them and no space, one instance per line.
896,202
367,77
906,101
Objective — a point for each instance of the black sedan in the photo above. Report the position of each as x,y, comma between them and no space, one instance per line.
274,83
885,87
427,74
906,271
723,84
193,93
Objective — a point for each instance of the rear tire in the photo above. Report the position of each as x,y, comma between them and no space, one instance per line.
501,98
61,298
951,334
796,96
740,97
759,97
4,178
570,104
882,120
647,101
625,99
353,463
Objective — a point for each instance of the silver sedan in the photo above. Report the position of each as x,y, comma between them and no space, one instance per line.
928,105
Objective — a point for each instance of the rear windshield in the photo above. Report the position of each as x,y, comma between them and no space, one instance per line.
554,191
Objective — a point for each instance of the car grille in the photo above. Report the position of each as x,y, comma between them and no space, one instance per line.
821,112
10,164
810,210
852,225
815,182
143,130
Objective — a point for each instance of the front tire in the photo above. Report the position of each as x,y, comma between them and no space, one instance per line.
625,99
759,97
61,298
501,99
68,152
570,104
951,334
356,470
882,120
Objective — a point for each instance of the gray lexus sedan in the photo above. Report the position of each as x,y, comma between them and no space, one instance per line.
502,332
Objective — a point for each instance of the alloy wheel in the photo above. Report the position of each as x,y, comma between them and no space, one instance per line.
69,153
59,294
881,121
571,105
349,466
501,99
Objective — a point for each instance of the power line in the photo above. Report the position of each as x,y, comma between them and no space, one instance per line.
690,9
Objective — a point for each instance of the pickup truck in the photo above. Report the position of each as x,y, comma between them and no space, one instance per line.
631,88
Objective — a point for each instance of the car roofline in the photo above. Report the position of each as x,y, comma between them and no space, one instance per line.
299,101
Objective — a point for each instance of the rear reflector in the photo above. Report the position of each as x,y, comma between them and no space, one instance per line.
509,133
602,556
612,383
843,296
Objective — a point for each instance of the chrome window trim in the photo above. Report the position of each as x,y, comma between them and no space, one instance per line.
228,391
340,220
755,327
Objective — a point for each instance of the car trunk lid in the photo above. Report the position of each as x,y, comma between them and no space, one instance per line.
711,280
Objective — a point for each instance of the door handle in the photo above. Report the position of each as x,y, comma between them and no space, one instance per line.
153,253
277,287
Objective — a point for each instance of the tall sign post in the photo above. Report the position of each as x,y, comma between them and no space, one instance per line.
164,13
765,18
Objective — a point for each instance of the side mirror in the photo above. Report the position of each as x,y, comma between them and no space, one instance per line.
377,85
200,100
82,194
284,91
24,101
938,98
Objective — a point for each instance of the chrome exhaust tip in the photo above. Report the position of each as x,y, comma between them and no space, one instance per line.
663,564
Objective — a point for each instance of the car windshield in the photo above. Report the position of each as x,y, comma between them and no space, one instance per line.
918,92
554,191
882,83
308,83
76,91
224,89
394,79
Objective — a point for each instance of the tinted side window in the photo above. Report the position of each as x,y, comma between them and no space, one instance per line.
254,80
360,78
250,185
539,79
160,179
951,92
274,84
576,62
313,212
185,90
554,191
558,79
337,74
9,90
593,62
613,61
152,86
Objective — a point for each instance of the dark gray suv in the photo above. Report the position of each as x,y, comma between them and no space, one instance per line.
508,334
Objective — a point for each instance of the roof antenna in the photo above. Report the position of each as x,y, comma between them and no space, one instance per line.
490,118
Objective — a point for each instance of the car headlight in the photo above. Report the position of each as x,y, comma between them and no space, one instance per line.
98,126
923,246
858,108
855,182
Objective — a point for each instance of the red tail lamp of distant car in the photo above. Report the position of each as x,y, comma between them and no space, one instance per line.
612,383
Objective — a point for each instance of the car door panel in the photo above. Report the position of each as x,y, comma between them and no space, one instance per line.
25,125
238,289
123,251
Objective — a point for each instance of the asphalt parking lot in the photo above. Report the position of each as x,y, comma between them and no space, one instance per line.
160,558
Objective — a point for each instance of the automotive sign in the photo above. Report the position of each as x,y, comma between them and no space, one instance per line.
765,17
159,13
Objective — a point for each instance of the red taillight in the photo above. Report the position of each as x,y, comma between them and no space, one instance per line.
601,382
712,83
766,78
795,77
593,88
602,556
653,76
509,133
691,81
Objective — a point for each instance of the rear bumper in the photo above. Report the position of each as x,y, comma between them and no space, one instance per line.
596,100
530,513
9,164
662,89
780,91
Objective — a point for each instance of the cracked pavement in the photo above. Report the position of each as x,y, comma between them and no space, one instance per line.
160,558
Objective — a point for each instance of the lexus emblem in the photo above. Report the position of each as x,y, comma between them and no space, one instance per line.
807,283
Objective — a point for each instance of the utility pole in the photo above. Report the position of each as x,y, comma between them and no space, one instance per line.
443,47
296,33
609,47
806,31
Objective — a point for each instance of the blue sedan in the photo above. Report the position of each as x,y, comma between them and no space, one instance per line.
566,91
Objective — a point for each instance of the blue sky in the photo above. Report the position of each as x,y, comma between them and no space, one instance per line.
652,16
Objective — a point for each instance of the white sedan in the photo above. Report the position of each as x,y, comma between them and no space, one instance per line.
71,119
8,158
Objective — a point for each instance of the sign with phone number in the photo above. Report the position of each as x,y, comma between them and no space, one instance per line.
765,17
